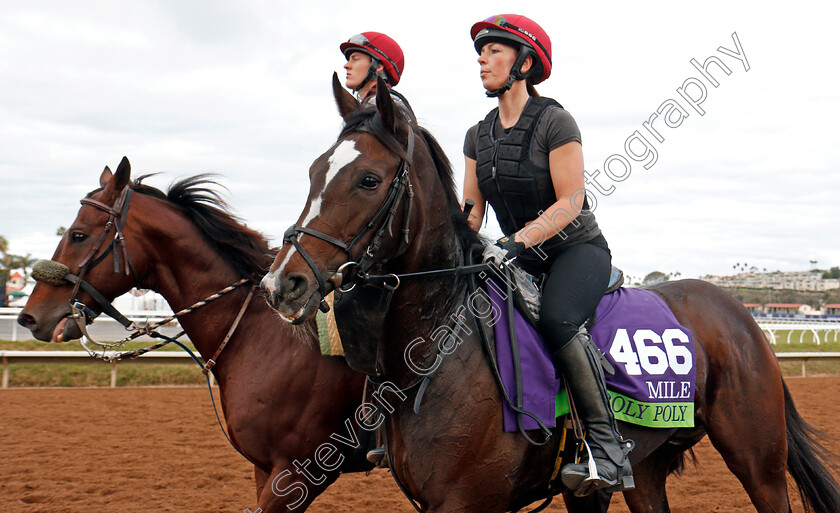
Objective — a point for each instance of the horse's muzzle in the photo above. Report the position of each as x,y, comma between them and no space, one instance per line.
291,295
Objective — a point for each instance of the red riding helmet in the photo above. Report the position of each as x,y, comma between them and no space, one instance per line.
379,47
519,29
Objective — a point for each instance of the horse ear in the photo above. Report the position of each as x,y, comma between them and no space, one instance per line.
345,101
122,175
105,177
385,104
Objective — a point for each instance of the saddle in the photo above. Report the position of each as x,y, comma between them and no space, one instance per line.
527,294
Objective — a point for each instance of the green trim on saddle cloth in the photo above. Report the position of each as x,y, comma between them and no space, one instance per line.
323,332
328,338
656,415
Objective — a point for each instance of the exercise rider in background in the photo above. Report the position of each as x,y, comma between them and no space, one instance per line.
369,55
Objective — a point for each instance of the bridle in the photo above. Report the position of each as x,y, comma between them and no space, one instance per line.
55,273
357,270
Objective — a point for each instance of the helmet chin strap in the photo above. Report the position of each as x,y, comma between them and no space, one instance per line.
371,74
515,73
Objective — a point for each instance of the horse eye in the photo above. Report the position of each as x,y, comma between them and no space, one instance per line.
77,237
369,182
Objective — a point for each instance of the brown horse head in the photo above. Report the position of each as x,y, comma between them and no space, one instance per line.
363,208
48,312
127,235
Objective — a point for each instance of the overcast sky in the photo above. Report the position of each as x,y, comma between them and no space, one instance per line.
243,89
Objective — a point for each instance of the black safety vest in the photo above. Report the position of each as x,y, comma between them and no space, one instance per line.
516,187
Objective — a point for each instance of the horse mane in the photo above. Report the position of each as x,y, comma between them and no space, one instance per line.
366,119
245,249
466,235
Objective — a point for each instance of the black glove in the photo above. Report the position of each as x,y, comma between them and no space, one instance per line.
503,250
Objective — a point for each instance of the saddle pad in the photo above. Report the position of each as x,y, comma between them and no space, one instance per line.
653,356
328,337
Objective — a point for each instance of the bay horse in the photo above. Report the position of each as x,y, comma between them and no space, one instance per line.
453,455
284,404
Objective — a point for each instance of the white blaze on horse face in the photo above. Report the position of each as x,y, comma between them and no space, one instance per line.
344,154
268,282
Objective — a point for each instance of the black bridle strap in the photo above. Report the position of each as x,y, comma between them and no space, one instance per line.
120,216
291,237
106,305
114,214
462,270
400,185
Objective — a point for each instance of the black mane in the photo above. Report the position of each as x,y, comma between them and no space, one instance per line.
245,249
367,120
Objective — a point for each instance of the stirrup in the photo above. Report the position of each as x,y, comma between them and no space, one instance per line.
378,456
594,482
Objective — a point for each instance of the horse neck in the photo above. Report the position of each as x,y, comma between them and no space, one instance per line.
189,270
422,306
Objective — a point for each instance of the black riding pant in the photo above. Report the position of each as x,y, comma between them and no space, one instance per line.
577,277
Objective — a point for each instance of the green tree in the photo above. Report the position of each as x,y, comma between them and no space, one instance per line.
834,272
654,278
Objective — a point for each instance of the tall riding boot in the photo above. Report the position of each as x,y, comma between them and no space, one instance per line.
603,462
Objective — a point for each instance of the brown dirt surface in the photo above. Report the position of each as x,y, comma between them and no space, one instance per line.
160,449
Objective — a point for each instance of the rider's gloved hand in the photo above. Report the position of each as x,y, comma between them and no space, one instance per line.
502,251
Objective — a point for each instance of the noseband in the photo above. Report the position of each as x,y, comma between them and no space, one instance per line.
400,187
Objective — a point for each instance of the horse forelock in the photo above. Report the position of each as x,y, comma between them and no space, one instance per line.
367,120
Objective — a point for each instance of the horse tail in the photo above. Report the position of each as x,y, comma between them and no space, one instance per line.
808,462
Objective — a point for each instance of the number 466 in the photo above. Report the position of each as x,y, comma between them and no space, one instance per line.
648,353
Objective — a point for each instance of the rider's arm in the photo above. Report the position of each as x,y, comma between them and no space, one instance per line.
566,167
471,191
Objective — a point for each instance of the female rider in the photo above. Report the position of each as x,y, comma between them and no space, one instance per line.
526,159
372,54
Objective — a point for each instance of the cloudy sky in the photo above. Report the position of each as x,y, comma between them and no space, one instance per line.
243,89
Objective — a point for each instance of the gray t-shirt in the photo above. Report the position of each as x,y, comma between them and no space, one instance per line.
555,128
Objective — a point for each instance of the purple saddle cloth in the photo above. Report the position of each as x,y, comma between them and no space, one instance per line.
652,353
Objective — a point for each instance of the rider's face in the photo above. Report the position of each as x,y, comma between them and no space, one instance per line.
496,60
358,65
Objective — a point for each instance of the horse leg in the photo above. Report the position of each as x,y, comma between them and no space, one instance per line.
597,502
261,478
650,474
284,490
751,438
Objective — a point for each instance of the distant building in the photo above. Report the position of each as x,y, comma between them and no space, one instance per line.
831,309
797,280
16,282
754,307
782,308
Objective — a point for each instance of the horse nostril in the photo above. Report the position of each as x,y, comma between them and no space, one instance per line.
295,285
27,321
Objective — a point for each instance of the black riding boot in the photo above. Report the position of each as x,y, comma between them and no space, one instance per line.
581,367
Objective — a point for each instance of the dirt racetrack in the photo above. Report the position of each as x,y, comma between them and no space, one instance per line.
159,449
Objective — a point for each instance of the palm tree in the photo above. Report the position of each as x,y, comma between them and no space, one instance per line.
4,248
23,262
